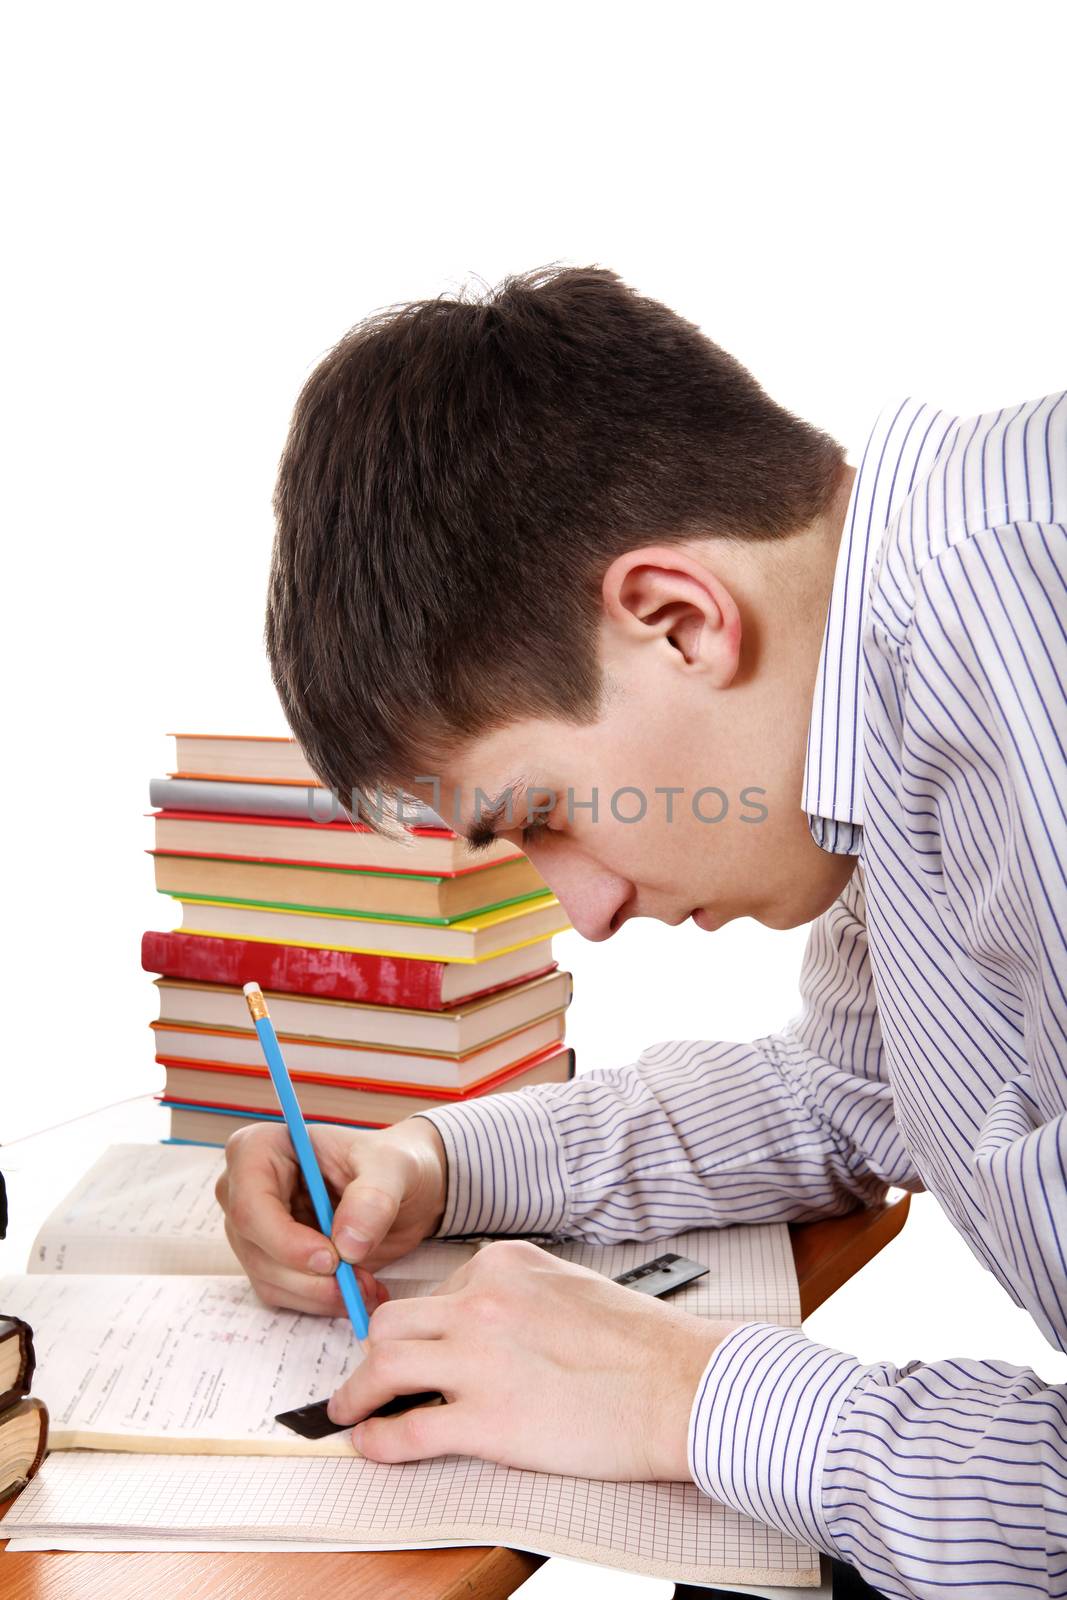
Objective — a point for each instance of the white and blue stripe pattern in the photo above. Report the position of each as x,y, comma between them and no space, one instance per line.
931,1050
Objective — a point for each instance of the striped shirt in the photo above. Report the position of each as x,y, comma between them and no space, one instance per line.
931,1050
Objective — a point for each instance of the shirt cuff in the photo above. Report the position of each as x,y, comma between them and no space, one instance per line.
764,1413
506,1169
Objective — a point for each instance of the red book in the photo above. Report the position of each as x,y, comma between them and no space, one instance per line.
338,974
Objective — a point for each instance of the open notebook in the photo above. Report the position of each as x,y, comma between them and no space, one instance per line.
140,1208
182,1372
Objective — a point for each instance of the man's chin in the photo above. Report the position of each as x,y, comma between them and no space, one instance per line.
779,920
708,921
806,907
803,907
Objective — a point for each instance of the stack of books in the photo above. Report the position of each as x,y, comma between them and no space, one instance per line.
400,974
23,1418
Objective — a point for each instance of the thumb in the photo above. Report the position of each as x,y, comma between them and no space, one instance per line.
367,1209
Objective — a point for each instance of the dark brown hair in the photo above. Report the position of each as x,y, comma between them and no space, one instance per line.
458,476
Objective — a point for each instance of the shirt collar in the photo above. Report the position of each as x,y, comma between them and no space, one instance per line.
903,439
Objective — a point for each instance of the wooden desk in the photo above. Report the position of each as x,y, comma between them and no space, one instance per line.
827,1254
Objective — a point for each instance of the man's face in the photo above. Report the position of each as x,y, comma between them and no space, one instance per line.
711,780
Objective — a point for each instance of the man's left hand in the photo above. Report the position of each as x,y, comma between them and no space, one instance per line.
543,1365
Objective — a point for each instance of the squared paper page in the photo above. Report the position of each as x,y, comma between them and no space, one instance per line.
140,1208
666,1530
752,1275
427,1265
132,1541
262,1546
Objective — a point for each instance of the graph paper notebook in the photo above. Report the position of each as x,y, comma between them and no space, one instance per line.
664,1530
183,1373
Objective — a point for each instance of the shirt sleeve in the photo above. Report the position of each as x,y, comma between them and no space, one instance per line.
950,1477
931,1479
696,1134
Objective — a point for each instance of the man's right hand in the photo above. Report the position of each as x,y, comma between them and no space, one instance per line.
388,1192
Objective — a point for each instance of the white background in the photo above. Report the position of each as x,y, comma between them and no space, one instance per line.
858,202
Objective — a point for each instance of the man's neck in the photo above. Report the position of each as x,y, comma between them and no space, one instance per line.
838,510
809,565
782,589
825,537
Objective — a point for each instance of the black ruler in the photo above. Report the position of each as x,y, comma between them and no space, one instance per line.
663,1275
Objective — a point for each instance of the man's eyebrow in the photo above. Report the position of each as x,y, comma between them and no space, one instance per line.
482,830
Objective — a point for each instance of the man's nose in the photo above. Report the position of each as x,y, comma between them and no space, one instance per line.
594,898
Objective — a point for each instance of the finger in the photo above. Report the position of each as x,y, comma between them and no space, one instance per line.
280,1298
367,1209
305,1291
302,1291
294,1298
404,1366
262,1174
413,1317
417,1435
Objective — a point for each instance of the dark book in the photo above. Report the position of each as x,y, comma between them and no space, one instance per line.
17,1359
23,1442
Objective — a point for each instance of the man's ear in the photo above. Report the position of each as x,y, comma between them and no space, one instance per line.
660,595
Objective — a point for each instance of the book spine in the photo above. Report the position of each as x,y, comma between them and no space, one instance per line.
251,819
193,897
19,1473
552,1052
374,1086
305,802
21,1336
295,969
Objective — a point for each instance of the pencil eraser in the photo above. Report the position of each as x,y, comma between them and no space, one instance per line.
255,1002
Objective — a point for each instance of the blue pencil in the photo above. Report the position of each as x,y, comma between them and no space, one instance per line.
305,1153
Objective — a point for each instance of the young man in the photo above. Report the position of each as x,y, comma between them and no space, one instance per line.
555,546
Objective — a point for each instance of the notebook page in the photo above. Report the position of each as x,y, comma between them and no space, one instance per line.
140,1208
152,1208
665,1530
169,1362
173,1363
